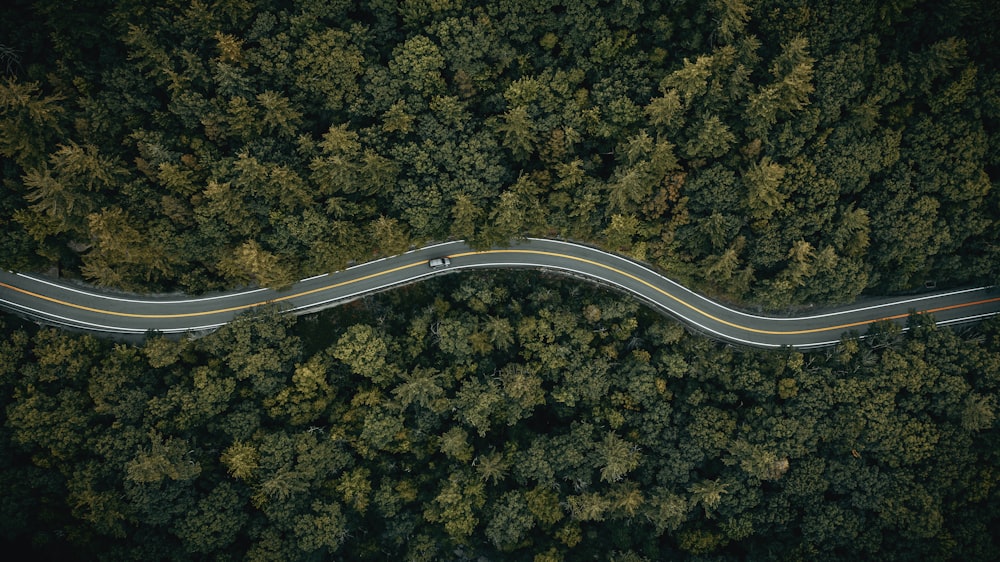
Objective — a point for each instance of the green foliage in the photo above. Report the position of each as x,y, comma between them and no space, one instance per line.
196,147
773,153
27,121
366,353
597,430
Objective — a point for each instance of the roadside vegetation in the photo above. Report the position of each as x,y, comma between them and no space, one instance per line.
501,416
772,153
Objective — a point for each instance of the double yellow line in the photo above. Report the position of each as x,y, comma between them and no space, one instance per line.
838,327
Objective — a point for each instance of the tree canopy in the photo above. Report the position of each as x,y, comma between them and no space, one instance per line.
502,416
769,152
254,142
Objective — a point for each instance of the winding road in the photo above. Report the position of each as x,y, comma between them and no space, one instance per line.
72,306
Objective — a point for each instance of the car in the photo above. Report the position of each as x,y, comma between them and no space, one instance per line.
439,262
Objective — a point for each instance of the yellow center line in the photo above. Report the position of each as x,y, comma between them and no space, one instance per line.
715,318
510,251
208,312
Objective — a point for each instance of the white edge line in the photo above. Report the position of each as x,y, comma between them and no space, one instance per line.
84,325
215,297
139,301
722,336
432,246
420,249
748,315
357,265
671,282
646,299
313,306
968,318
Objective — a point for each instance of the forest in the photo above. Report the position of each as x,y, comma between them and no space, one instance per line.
772,153
769,153
499,416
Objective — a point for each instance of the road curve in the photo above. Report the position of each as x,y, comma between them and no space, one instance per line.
72,306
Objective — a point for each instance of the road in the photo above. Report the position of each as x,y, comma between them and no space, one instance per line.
78,307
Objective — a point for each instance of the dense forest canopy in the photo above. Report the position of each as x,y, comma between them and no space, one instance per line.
772,152
775,152
500,416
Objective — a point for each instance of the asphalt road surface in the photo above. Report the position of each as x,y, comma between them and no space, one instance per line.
80,307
